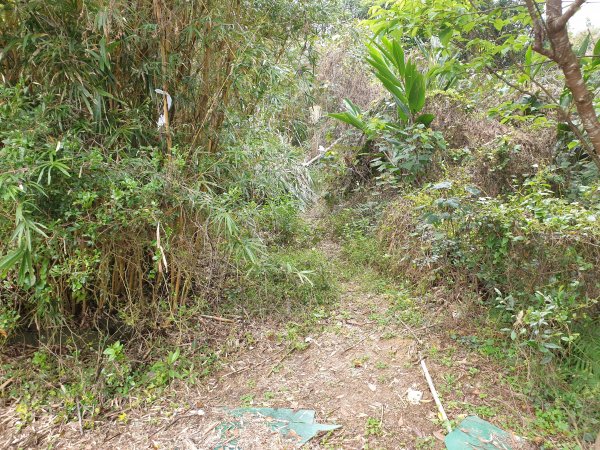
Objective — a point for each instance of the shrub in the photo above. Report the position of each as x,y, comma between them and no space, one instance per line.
532,255
86,233
290,284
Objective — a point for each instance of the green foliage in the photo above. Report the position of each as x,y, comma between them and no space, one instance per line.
518,252
83,383
492,40
108,222
531,257
353,116
510,219
354,227
373,427
100,211
403,81
289,283
406,153
406,144
117,371
400,77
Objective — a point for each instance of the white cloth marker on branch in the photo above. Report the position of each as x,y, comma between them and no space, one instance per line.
161,120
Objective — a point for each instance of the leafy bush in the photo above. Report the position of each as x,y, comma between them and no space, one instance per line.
405,143
406,154
85,231
290,283
510,219
531,256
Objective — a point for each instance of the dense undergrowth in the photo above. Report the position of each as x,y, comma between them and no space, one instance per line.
525,317
125,221
493,209
127,214
105,215
510,240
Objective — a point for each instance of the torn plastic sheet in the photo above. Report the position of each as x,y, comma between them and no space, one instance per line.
475,433
299,426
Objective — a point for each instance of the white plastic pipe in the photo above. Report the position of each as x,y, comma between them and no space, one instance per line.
435,397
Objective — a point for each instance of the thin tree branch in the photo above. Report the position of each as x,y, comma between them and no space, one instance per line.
538,30
565,115
571,10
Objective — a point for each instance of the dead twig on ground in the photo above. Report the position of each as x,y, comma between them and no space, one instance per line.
411,331
6,384
218,319
288,353
171,423
253,366
354,345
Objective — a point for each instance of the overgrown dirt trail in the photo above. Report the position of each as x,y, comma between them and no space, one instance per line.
355,372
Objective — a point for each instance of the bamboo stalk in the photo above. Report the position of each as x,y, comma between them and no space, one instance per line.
163,57
177,288
186,289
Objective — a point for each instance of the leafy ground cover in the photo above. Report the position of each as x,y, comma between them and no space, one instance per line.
158,263
352,361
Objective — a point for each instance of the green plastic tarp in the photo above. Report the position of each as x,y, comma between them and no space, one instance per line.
474,433
299,423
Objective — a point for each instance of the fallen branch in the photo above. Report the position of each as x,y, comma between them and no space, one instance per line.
253,366
356,344
218,319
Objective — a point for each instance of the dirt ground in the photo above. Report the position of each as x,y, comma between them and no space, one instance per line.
355,372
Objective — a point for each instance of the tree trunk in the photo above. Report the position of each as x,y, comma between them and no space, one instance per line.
561,52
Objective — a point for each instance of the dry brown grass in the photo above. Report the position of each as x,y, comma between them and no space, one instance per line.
460,126
510,158
501,153
342,74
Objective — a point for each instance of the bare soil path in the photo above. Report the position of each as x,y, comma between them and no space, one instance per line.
354,371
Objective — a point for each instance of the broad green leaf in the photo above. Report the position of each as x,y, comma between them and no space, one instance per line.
379,64
417,94
352,107
425,119
398,57
499,24
442,185
596,54
399,97
445,36
403,111
349,119
528,54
